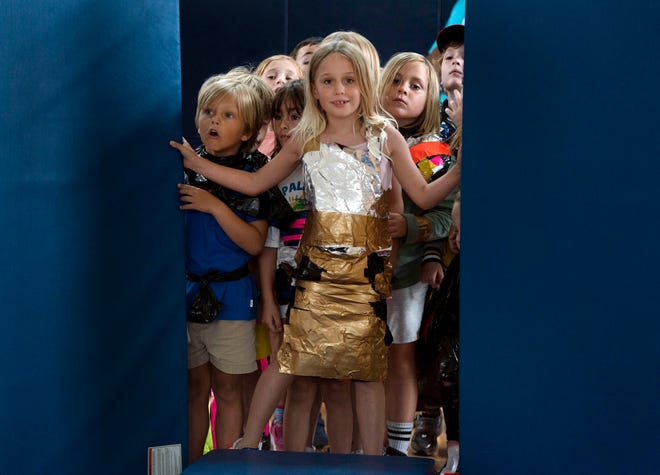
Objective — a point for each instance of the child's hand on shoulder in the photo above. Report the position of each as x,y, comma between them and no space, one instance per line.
197,199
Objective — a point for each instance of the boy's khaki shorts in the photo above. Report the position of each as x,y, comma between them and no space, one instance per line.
228,344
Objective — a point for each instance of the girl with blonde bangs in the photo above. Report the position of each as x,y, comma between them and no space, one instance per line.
428,122
371,117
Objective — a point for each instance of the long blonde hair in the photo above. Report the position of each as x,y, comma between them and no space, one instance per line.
371,117
429,120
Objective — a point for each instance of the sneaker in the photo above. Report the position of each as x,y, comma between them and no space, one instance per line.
392,452
234,446
425,437
277,434
264,443
320,439
452,461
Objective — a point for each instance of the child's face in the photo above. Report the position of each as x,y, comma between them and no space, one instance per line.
284,121
278,73
221,128
304,55
405,98
336,88
451,68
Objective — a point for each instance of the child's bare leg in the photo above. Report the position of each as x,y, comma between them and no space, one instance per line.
269,389
370,408
336,394
199,386
356,444
401,383
227,389
299,404
248,383
275,343
400,394
314,415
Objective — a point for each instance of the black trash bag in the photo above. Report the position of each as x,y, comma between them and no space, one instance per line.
438,345
205,306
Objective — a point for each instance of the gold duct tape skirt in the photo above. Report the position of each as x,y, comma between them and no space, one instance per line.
334,330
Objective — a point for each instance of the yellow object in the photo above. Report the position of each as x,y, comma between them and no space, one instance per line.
262,340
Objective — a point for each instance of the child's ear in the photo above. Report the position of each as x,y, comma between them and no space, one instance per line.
247,133
315,94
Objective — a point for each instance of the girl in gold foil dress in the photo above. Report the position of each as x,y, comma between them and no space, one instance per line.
348,149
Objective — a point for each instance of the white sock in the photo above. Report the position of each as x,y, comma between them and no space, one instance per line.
398,435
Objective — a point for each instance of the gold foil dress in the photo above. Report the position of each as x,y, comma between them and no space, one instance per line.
336,327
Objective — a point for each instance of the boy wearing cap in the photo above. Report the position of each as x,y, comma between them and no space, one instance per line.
450,42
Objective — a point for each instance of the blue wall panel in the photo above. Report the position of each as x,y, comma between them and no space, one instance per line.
560,224
93,335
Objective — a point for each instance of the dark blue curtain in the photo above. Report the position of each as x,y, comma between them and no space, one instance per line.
93,331
560,238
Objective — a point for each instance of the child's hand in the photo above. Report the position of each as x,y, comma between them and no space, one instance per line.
455,106
432,274
197,199
454,239
191,160
270,316
397,225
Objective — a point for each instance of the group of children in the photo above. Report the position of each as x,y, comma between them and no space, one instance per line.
367,163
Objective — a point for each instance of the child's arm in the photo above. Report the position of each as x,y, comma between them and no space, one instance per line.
270,310
425,195
248,236
432,273
248,183
393,223
455,106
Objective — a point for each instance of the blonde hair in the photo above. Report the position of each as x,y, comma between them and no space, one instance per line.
263,65
252,95
371,116
366,46
429,120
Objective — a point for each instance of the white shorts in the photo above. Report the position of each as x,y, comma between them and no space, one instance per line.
404,312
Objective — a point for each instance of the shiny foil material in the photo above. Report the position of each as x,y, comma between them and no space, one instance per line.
343,180
333,333
337,324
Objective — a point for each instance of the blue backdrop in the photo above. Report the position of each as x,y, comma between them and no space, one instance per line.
93,337
560,238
